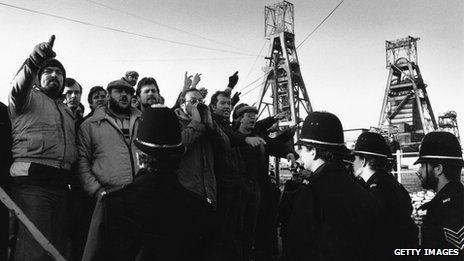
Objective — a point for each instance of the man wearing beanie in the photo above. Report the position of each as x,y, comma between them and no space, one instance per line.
43,150
107,156
371,166
333,217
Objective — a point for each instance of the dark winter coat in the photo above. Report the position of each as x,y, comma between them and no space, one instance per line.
5,162
334,218
141,219
443,226
401,231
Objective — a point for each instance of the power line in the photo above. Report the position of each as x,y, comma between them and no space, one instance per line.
254,63
319,25
251,83
123,31
252,89
306,38
164,25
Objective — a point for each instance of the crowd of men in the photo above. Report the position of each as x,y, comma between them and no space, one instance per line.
136,180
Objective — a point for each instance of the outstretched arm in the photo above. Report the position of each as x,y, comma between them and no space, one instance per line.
26,76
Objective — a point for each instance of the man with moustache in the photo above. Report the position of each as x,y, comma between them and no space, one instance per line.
440,156
97,97
148,93
107,156
106,152
43,150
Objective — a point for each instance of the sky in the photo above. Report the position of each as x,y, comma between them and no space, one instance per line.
342,63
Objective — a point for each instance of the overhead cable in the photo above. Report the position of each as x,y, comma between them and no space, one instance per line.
125,32
164,25
319,25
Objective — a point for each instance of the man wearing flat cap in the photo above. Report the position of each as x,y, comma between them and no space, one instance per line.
131,78
371,166
258,212
142,218
333,218
43,150
440,156
107,155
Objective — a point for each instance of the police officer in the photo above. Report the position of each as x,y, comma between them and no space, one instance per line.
371,154
441,162
333,217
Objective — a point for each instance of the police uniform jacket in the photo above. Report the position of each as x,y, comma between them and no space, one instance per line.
443,226
334,218
401,231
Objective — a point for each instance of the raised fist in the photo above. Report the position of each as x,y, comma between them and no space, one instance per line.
233,80
43,51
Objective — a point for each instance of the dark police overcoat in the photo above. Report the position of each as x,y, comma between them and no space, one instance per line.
334,218
443,226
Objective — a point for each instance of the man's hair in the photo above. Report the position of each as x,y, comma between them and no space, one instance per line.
69,82
182,95
214,98
146,81
376,163
94,90
451,171
325,154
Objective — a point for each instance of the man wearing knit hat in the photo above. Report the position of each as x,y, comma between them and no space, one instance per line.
440,156
333,217
43,150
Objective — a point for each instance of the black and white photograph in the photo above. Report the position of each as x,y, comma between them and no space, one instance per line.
267,130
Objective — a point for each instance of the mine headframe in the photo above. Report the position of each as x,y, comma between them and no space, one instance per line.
406,106
283,89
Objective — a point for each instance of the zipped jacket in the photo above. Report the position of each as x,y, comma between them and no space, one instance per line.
106,160
43,128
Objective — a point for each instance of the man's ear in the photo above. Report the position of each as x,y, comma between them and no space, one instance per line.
438,170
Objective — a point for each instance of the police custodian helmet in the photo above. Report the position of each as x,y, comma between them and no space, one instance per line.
372,144
324,130
440,147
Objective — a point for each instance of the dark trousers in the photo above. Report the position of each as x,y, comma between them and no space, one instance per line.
266,242
249,214
46,208
228,232
197,227
4,232
81,209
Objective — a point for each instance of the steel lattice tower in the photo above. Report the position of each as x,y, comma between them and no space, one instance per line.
406,105
283,89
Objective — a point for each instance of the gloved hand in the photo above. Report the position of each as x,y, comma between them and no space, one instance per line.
233,80
235,99
43,51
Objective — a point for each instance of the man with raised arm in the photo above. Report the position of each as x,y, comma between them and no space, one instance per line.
43,150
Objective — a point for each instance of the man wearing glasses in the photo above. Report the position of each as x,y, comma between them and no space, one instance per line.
196,174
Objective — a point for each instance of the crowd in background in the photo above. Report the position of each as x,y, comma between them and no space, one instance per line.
135,179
